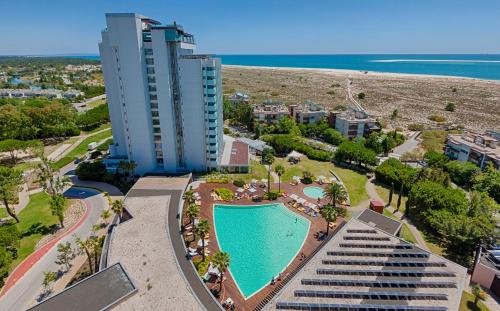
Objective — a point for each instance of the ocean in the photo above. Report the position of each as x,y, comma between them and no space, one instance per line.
481,66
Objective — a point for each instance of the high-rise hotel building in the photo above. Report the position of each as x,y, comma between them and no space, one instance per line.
165,102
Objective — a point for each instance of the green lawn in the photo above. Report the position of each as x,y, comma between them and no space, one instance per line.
3,212
354,181
36,220
405,231
383,192
81,149
257,171
467,303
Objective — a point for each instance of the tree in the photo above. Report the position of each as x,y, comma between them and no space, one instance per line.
188,196
335,193
192,212
330,213
5,261
268,159
48,176
462,173
287,125
85,246
48,278
488,181
117,208
333,137
10,185
279,170
105,214
390,194
221,261
65,255
201,230
478,293
394,114
57,204
14,146
399,196
435,159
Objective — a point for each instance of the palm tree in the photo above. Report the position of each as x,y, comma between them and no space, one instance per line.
335,193
10,185
478,293
279,170
123,165
268,158
117,207
105,215
86,246
201,230
188,196
132,166
221,261
330,214
192,212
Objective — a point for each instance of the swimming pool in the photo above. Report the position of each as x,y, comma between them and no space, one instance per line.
261,241
314,192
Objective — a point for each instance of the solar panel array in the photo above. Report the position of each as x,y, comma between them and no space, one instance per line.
382,274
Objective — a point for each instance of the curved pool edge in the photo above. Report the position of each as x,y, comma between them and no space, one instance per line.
260,205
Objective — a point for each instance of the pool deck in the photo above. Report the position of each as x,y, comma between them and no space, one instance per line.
311,243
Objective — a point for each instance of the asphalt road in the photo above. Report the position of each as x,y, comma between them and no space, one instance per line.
28,288
82,107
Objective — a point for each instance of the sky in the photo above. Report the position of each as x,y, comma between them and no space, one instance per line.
48,27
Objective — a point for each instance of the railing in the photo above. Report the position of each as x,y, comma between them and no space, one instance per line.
279,286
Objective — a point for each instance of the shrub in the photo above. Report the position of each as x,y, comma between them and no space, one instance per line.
461,173
239,183
307,177
415,127
330,92
271,195
227,131
436,118
361,95
93,118
91,171
275,94
224,193
105,146
450,107
217,178
393,171
201,266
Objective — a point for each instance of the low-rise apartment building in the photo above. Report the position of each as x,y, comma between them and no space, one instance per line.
307,112
30,93
479,149
354,123
270,112
239,98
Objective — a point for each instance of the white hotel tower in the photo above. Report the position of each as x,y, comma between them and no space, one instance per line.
165,102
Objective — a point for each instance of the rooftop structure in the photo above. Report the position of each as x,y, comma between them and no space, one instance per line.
30,93
354,123
365,268
479,149
165,102
235,157
239,97
270,111
256,146
99,291
307,112
487,269
380,221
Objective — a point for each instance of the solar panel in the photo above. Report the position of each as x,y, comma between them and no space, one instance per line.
370,295
346,307
389,273
366,238
392,246
361,231
409,264
378,284
389,255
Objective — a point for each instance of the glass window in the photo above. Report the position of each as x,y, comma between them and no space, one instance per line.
150,70
152,88
153,97
149,61
148,51
151,79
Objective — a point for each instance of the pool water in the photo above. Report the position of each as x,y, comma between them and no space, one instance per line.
261,241
314,192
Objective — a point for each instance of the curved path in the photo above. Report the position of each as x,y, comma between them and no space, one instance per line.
25,283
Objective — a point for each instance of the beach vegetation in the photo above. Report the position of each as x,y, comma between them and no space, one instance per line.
394,114
436,118
332,92
450,107
361,95
340,107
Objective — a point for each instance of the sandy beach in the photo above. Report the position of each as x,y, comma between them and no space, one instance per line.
415,96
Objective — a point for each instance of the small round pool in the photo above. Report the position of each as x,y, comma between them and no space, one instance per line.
314,192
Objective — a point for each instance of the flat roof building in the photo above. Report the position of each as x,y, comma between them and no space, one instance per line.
30,93
355,123
239,97
365,268
165,102
235,158
479,149
270,112
307,112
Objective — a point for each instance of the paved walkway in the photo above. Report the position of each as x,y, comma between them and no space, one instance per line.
372,193
25,283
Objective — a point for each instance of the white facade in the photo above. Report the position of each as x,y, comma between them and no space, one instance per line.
165,102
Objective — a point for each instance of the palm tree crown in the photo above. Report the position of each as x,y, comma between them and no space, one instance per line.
193,211
221,261
335,193
117,207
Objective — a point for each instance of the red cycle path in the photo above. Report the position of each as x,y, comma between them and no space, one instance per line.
32,259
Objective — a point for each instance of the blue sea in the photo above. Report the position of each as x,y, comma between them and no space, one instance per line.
481,66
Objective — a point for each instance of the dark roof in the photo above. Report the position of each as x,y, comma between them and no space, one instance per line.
380,221
239,153
97,292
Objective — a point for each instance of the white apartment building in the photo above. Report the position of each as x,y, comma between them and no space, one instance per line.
354,123
307,112
165,102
